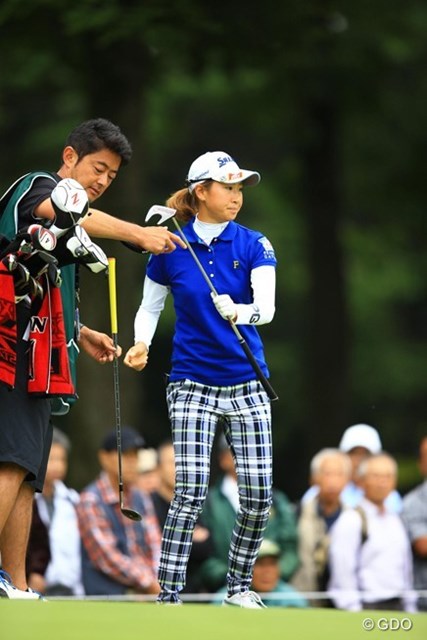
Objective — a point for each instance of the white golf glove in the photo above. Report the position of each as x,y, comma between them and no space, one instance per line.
225,306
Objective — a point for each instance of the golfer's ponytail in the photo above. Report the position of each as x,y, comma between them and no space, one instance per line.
184,203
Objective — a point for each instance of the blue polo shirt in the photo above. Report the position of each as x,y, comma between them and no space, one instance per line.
205,348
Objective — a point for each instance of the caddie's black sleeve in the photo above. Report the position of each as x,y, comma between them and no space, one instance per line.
40,191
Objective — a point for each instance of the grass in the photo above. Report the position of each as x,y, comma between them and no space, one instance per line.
80,620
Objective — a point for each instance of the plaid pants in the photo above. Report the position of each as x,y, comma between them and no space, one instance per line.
194,412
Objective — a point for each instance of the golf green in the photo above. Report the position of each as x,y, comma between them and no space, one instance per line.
88,620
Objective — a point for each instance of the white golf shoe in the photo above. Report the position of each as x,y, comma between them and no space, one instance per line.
8,590
245,600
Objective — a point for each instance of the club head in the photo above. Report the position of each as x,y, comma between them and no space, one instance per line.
41,238
54,275
47,257
165,213
36,289
21,274
131,514
10,261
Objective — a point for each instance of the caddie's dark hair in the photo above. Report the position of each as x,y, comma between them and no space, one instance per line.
97,134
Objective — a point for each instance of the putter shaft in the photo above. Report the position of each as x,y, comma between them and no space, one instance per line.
129,513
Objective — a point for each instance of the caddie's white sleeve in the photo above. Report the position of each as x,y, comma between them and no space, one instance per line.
148,314
261,311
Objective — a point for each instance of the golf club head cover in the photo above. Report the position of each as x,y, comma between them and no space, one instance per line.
71,205
28,240
30,259
87,252
41,238
225,306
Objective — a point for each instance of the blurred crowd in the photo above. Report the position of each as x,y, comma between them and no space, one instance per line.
351,542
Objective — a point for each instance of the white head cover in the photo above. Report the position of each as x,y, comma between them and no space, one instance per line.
219,166
361,435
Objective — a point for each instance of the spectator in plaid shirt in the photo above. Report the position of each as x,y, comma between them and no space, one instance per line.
118,555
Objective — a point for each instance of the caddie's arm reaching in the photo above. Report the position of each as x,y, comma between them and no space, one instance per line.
68,205
154,239
98,345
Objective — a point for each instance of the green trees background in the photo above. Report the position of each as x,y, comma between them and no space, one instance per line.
327,100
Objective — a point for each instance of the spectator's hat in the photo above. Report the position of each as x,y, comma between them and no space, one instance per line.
268,548
361,435
130,439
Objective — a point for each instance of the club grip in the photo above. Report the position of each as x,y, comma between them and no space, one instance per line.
113,294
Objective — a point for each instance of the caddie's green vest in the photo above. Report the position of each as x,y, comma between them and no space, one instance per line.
9,203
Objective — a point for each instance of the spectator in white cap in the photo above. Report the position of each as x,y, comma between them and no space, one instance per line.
361,436
359,441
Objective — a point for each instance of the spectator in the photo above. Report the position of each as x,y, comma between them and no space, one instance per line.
266,579
166,485
330,471
219,514
38,550
119,555
202,547
415,518
359,441
55,508
370,554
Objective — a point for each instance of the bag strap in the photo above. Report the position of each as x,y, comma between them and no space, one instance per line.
4,200
364,518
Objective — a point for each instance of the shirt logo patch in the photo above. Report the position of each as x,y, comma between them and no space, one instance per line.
268,248
236,264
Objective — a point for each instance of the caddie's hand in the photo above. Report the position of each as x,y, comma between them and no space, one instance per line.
225,306
159,240
98,345
137,356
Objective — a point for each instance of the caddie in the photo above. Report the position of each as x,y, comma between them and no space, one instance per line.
46,224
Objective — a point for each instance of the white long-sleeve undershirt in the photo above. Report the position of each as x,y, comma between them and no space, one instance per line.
260,311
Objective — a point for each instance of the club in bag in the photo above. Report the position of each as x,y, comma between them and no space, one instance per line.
167,213
129,513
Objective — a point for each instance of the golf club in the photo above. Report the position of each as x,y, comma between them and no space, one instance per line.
129,513
167,213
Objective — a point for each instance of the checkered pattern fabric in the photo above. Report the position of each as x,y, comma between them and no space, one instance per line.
245,414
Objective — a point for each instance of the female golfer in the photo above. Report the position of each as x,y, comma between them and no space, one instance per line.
211,380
